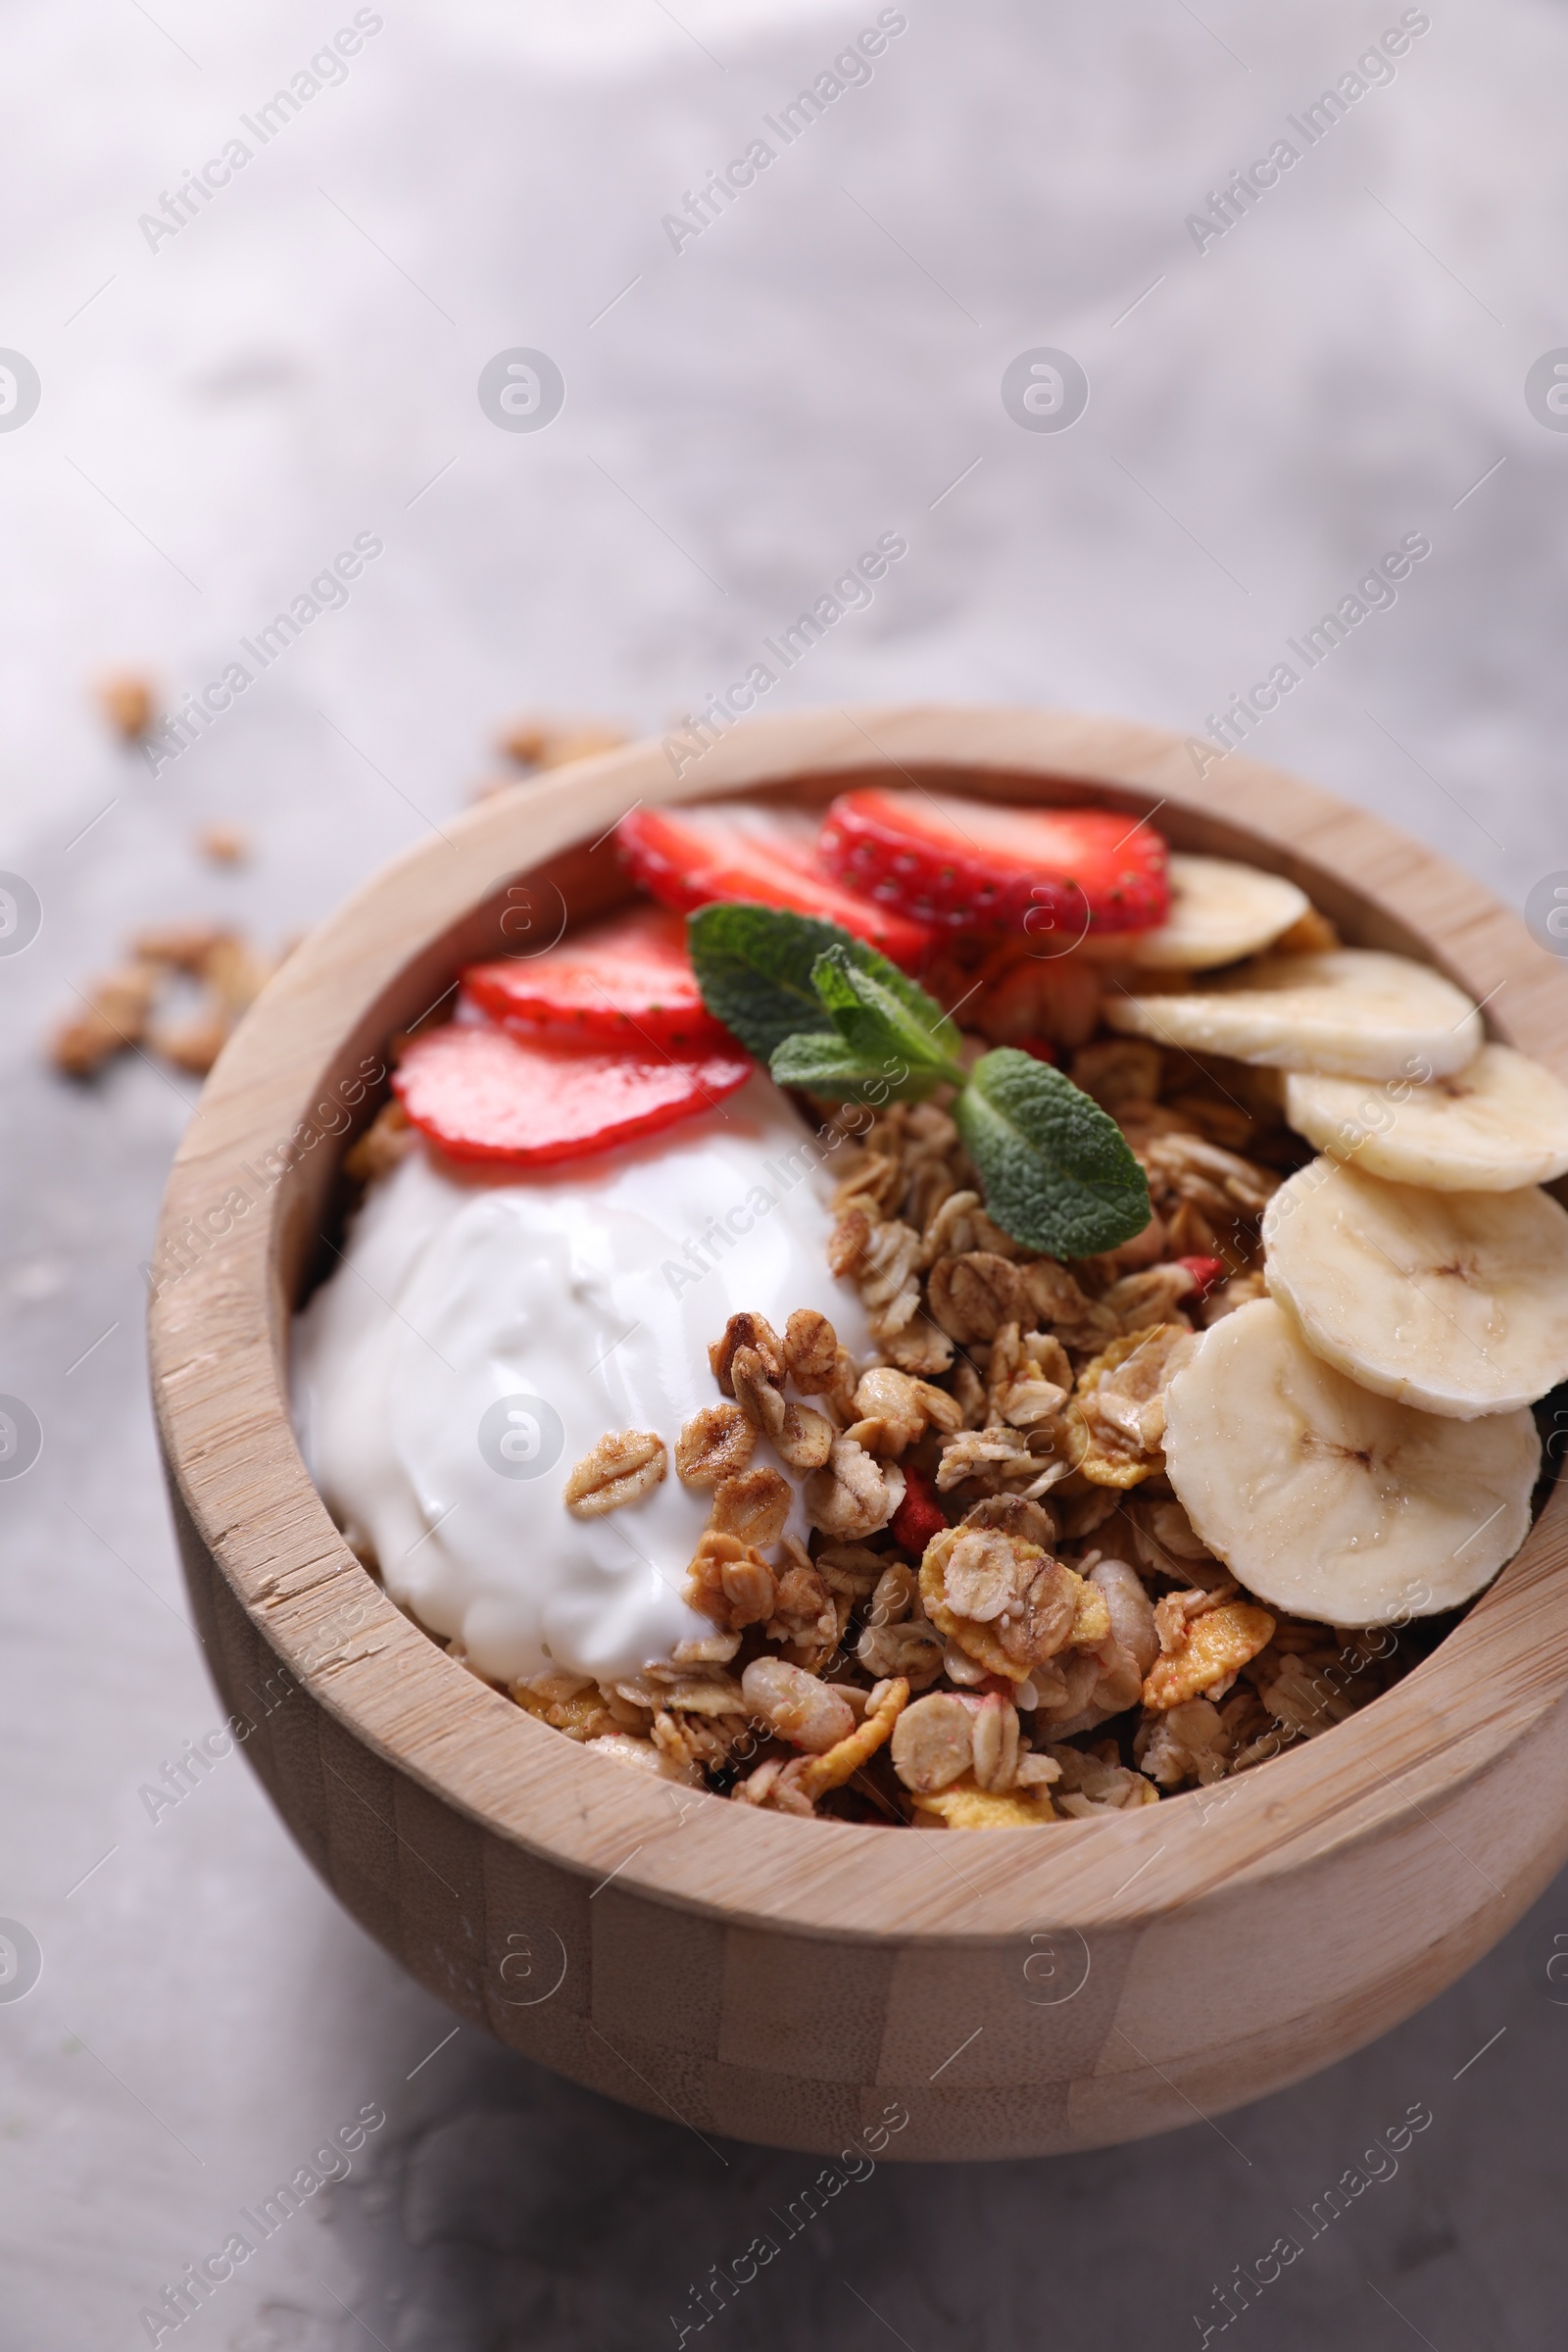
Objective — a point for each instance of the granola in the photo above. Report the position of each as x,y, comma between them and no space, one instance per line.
950,1583
715,1445
625,1465
178,995
1063,1647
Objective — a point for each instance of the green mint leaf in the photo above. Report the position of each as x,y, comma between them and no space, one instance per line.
906,993
753,967
828,1065
885,1026
1058,1171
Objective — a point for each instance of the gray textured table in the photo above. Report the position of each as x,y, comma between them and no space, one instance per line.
227,404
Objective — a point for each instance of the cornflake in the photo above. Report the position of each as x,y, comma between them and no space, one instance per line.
1215,1647
967,1807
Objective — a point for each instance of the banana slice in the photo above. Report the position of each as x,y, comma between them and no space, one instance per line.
1351,1012
1328,1502
1219,910
1457,1303
1498,1124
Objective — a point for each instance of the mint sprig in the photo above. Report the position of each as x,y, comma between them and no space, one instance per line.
1059,1172
883,1025
834,1018
755,965
756,972
824,1064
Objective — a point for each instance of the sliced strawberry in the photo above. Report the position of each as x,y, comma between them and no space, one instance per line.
730,850
1056,874
1205,1272
483,1092
627,982
1038,1049
919,1516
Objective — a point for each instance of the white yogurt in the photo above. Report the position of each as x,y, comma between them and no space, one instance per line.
483,1331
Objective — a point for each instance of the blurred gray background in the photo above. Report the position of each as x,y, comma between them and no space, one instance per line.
225,407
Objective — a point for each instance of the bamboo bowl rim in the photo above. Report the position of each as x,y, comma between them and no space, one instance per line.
220,1336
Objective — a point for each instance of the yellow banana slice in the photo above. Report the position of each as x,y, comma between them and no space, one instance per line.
1219,910
1328,1502
1455,1302
1350,1012
1500,1123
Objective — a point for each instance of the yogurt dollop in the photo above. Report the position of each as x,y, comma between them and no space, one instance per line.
483,1331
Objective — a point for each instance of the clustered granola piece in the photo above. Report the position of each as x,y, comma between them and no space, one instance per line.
1000,1615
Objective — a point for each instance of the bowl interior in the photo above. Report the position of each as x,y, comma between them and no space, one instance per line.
305,1059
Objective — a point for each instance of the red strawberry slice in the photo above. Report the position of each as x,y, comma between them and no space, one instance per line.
627,982
1056,874
919,1516
1205,1272
730,850
485,1093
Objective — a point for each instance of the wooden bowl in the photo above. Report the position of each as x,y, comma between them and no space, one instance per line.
803,1983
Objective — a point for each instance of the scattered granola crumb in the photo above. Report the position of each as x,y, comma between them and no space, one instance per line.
193,1045
113,1016
539,743
126,701
182,946
223,844
122,1009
